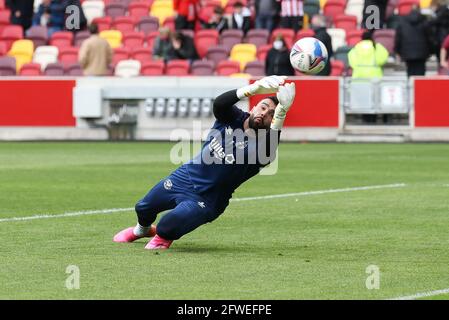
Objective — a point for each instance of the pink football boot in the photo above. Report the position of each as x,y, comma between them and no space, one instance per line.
158,243
127,235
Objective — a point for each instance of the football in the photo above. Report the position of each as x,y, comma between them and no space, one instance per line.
308,55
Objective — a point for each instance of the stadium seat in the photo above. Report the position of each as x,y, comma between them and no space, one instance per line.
80,36
148,24
92,10
337,68
61,39
202,68
142,54
243,53
255,68
22,51
207,10
153,68
345,22
263,51
231,37
4,19
304,33
120,54
38,34
405,6
217,54
10,34
332,8
341,54
103,23
113,37
68,55
54,69
289,36
354,36
73,70
355,8
205,39
30,69
3,50
311,7
177,68
45,55
139,10
123,24
2,4
169,22
338,37
150,37
133,39
386,37
162,9
115,9
240,75
7,66
127,68
258,37
391,8
226,68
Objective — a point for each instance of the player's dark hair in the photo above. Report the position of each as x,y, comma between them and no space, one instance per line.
93,28
274,99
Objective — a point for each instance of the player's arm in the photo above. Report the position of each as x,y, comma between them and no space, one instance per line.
224,109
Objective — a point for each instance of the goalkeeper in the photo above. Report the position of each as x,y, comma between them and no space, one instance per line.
237,147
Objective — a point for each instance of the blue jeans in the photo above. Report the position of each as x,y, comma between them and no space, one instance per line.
265,21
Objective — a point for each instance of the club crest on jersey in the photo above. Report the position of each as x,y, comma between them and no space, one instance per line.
168,184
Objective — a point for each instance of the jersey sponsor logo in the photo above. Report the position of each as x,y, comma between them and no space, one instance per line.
168,184
217,148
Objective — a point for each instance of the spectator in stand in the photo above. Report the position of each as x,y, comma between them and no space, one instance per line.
185,11
277,61
162,47
95,54
21,12
368,14
318,24
183,47
50,14
267,12
439,25
217,21
444,61
412,42
291,14
367,58
241,17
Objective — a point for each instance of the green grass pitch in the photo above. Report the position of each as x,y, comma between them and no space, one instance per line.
300,247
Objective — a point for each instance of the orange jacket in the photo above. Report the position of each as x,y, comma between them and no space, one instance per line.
185,8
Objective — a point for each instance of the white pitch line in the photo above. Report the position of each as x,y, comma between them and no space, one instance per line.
422,295
285,195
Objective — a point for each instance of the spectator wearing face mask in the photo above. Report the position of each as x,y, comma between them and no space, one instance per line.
277,61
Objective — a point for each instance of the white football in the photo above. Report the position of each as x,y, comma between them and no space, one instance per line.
308,55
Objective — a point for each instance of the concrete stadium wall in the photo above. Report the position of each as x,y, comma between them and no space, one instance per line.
65,108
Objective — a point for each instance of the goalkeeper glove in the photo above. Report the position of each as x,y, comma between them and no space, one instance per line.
285,95
265,85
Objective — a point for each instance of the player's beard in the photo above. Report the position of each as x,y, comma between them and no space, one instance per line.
253,125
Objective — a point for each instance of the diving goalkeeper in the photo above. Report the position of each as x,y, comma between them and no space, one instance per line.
237,147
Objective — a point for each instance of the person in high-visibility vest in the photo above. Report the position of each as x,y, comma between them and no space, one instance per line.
367,58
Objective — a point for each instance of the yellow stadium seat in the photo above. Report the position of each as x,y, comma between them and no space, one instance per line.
224,3
114,37
240,75
424,4
322,3
243,53
162,9
22,50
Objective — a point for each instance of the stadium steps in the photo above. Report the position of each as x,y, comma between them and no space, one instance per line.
376,133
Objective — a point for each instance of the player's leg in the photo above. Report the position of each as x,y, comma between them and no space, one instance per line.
158,199
186,217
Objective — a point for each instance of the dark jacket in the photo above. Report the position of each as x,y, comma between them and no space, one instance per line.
322,35
275,4
56,10
245,26
187,50
278,63
412,40
25,7
220,26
